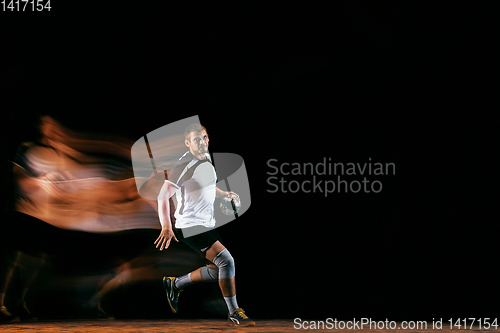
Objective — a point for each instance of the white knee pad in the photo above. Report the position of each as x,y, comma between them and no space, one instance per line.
209,273
225,262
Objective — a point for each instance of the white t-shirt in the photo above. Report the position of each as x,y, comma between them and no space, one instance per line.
195,195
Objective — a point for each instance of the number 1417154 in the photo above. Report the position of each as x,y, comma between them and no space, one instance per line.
26,5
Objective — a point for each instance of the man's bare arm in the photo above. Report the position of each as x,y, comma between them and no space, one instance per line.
167,233
221,194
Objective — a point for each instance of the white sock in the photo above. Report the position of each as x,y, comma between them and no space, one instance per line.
183,281
231,303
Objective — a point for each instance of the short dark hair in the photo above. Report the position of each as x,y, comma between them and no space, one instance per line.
194,128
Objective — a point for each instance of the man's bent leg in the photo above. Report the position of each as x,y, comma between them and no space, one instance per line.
221,257
225,263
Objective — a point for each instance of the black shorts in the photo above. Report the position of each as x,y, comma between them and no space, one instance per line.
200,242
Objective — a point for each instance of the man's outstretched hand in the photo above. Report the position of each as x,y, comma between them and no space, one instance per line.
163,241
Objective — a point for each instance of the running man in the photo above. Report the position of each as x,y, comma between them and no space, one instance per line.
193,181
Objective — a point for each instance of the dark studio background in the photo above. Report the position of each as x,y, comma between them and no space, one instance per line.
411,84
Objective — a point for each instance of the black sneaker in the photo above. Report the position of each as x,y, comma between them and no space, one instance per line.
172,292
239,318
6,316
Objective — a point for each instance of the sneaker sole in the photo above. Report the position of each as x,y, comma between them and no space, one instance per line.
232,324
168,298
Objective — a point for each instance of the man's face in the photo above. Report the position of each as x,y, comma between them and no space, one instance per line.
198,144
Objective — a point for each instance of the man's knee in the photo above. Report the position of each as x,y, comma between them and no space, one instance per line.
225,262
208,273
